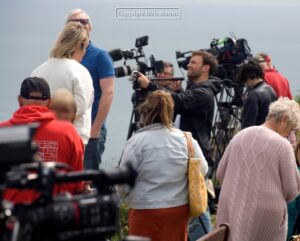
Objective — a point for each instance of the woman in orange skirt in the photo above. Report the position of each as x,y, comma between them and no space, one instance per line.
158,151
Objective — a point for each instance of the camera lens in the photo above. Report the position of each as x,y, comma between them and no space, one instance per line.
125,70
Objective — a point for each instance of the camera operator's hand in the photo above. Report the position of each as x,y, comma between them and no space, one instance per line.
175,86
144,81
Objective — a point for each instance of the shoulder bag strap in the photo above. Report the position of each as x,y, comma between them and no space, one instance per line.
189,144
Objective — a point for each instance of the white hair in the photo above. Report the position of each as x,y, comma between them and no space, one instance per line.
75,12
285,107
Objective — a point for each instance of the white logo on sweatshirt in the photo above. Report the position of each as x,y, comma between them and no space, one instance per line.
48,150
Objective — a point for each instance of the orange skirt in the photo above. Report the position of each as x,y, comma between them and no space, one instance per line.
164,224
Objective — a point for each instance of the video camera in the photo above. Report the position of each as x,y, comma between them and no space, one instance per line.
136,54
91,216
183,59
231,54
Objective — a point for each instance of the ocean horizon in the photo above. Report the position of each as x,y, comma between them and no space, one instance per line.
29,29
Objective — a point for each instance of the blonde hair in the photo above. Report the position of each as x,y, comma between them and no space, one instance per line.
285,107
157,108
71,37
64,97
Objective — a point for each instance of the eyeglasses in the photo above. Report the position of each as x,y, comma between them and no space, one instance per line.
82,21
168,73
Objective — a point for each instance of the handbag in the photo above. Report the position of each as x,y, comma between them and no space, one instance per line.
197,191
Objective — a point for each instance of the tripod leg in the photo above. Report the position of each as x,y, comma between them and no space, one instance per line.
132,126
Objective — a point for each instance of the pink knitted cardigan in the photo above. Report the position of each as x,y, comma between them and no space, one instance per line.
259,176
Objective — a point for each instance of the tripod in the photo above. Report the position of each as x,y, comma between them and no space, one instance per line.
134,119
227,119
133,123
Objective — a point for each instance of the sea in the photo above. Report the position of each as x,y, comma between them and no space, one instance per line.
29,28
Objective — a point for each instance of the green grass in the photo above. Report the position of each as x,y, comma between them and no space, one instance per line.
123,232
213,220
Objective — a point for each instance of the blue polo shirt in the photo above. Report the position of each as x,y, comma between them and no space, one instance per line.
100,65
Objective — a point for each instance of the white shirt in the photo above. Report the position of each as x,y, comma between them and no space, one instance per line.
71,75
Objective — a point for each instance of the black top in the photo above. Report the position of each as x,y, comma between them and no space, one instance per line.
257,103
196,107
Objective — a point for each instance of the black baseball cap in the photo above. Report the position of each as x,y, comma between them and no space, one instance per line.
35,84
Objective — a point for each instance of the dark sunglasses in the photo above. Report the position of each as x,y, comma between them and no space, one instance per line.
82,21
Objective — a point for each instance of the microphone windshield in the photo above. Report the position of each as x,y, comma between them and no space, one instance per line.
116,54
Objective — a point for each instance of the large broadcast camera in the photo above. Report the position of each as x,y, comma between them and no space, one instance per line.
91,217
138,55
231,54
149,67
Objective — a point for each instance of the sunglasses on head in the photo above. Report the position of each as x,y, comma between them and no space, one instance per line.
82,21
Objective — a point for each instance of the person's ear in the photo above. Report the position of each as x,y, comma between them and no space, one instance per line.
20,101
206,67
284,119
74,118
48,103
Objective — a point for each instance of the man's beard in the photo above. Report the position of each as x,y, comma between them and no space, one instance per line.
193,75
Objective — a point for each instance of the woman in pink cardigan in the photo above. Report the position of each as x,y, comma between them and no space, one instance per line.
259,176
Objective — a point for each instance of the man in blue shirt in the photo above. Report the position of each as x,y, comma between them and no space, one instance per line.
100,66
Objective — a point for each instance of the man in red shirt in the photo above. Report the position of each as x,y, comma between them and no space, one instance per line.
58,141
272,77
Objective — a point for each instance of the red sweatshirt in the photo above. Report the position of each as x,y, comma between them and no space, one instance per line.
58,141
279,83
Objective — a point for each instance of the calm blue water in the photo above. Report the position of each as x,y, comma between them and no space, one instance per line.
28,29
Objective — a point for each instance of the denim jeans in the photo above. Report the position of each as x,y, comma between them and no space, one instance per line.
94,150
195,229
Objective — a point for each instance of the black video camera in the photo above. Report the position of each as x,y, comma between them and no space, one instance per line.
16,147
183,59
230,53
91,216
136,54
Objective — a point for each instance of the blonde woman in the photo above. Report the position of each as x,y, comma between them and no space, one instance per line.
101,68
158,151
63,70
259,176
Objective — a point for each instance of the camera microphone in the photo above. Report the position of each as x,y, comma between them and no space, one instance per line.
116,54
